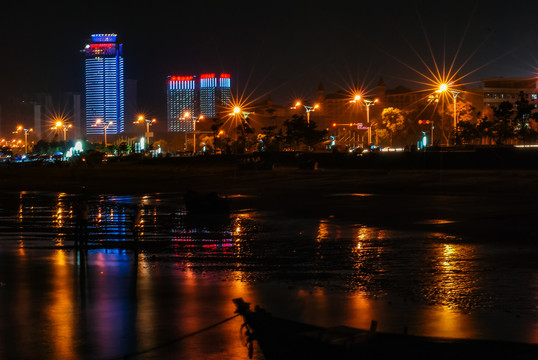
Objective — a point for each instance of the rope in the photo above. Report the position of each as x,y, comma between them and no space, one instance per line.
170,342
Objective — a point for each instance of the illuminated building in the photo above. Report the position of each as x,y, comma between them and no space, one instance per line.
105,84
206,97
498,90
181,98
214,94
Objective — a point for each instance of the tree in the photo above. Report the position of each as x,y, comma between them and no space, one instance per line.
124,148
466,119
163,144
300,133
269,139
392,120
525,120
503,122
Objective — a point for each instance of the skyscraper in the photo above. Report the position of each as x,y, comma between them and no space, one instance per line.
181,98
214,94
207,98
105,94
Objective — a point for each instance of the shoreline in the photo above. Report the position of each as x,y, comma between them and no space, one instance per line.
227,178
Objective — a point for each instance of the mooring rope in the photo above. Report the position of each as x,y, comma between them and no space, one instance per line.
170,342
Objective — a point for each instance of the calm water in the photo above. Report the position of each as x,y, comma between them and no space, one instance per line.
435,265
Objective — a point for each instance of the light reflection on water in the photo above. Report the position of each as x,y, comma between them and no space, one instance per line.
110,301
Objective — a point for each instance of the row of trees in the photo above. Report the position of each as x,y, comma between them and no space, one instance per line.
507,123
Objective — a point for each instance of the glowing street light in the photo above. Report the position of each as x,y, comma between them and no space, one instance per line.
308,109
195,119
443,88
26,131
148,122
238,117
100,122
62,126
366,103
241,114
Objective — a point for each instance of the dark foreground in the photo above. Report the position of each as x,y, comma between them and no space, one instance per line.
282,339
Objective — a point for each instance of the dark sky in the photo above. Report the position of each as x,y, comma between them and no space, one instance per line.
282,48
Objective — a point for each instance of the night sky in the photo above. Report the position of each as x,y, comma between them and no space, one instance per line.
282,49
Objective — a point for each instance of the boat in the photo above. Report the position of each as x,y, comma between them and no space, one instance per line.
280,338
199,203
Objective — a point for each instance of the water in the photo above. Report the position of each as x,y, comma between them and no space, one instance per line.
432,264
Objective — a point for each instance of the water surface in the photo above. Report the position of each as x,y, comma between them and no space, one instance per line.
431,264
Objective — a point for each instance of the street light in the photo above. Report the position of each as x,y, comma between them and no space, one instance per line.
105,125
62,126
26,131
238,112
444,88
367,103
308,109
194,121
148,122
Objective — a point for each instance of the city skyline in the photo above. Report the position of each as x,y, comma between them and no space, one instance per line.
283,51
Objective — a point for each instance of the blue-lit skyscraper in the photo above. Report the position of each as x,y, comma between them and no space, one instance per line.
181,98
105,85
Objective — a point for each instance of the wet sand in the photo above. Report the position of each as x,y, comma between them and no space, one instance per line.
227,178
496,203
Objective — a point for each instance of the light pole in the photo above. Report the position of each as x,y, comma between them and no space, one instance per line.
62,126
26,131
308,109
237,112
105,126
367,103
444,88
148,122
195,119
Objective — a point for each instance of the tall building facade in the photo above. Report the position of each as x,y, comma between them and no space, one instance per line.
105,85
204,97
181,98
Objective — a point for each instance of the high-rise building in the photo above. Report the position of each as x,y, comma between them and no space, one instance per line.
181,97
214,94
206,97
105,93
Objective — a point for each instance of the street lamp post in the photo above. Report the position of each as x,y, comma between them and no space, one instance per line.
26,131
105,126
308,109
237,111
367,103
64,127
444,88
455,95
195,119
148,122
